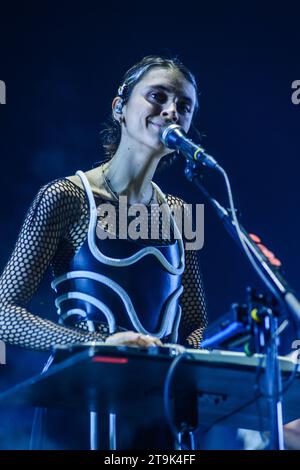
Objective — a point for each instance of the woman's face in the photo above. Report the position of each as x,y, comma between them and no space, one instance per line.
161,97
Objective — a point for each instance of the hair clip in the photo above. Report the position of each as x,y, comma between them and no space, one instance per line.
121,89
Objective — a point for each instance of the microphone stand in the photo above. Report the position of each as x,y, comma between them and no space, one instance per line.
282,291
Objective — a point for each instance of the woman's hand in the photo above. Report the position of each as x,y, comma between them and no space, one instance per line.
291,433
131,338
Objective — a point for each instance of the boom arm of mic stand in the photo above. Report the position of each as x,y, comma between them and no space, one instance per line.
280,284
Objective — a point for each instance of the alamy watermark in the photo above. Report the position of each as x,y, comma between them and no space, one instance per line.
296,94
2,352
296,357
155,222
2,92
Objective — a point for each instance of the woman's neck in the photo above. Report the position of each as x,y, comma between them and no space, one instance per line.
130,174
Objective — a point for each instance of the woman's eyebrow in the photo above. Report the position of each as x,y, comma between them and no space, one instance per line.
169,89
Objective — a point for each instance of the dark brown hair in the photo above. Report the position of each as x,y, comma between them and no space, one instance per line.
111,134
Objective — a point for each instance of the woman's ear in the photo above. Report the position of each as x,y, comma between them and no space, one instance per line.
117,109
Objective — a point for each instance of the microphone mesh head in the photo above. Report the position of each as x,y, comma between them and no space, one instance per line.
165,132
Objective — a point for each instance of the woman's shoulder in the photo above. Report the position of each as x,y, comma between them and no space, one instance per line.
174,201
170,199
60,191
61,187
95,181
75,180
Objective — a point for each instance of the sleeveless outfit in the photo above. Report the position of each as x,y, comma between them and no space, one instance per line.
108,281
102,285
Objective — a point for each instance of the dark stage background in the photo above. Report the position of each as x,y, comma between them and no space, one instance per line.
62,64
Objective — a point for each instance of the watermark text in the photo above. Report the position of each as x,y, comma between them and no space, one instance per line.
157,222
2,352
2,92
296,94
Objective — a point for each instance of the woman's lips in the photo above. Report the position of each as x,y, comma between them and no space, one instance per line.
158,126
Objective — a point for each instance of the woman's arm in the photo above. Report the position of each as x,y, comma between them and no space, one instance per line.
47,220
193,303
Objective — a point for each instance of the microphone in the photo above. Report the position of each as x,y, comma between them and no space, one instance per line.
174,137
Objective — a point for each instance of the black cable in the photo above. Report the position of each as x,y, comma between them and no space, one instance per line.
259,394
291,379
167,396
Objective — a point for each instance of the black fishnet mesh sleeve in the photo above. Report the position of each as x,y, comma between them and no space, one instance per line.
193,301
47,220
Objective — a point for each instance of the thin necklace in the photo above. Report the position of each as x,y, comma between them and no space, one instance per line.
115,195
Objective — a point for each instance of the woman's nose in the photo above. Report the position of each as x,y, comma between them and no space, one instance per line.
170,113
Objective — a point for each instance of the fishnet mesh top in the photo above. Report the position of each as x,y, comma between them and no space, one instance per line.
53,231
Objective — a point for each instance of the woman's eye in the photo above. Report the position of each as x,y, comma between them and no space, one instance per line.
158,97
184,108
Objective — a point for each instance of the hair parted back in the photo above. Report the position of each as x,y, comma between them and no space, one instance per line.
111,134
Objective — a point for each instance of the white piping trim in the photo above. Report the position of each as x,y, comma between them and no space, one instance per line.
138,255
74,311
80,312
168,316
92,300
